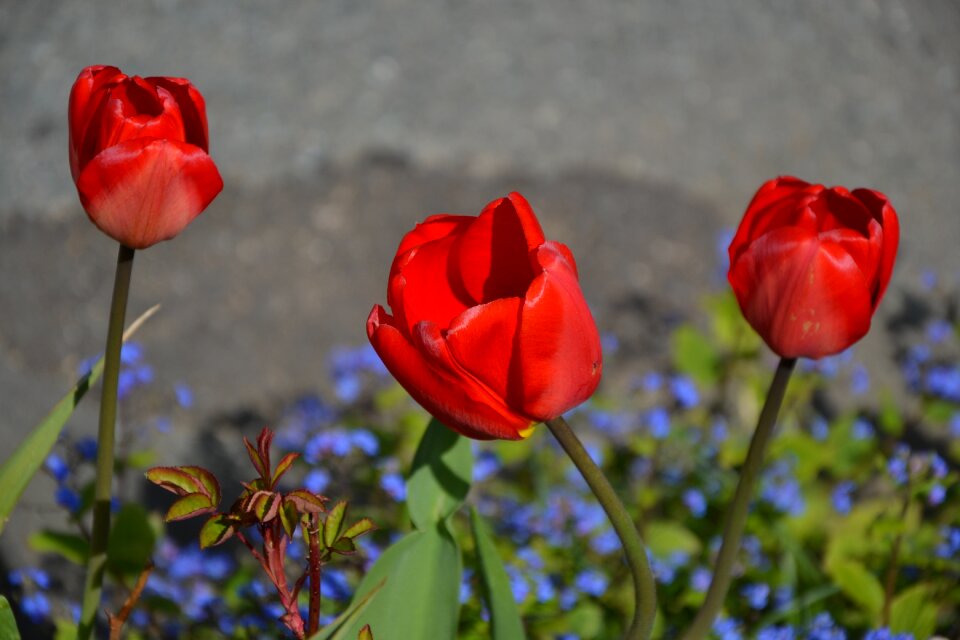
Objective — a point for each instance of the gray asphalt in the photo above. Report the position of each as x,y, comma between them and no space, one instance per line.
637,129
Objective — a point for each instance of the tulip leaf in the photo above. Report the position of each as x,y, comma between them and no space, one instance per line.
71,546
695,355
505,619
8,625
420,599
440,477
858,584
335,630
19,468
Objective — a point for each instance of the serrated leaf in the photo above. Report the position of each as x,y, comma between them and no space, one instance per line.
188,506
440,476
69,545
131,541
17,470
358,528
914,611
263,447
284,466
258,464
289,517
305,501
344,546
505,619
175,480
208,482
333,524
217,529
8,625
265,505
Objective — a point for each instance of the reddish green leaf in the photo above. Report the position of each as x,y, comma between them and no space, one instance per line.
344,546
365,633
190,505
174,480
265,505
208,482
255,458
217,529
289,517
284,466
306,501
358,528
263,447
334,523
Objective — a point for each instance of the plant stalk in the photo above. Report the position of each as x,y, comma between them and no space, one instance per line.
313,621
96,564
740,507
645,588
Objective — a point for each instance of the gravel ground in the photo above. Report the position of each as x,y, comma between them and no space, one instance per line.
637,129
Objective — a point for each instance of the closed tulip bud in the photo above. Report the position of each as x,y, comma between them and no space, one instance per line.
809,265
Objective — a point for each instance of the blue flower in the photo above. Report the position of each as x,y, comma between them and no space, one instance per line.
518,584
885,634
955,424
757,595
40,578
841,498
87,448
944,381
938,466
184,395
859,380
316,480
700,579
57,467
605,542
609,342
131,353
487,465
335,584
777,633
651,382
544,587
36,607
658,421
394,485
824,628
928,279
936,495
466,585
782,490
727,629
695,502
939,331
68,499
684,391
862,429
591,582
365,441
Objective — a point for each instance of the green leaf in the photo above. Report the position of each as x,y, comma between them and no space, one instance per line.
914,611
664,537
335,630
421,597
440,477
131,541
358,528
71,546
216,530
208,482
505,617
365,633
695,355
8,626
858,584
190,505
333,525
284,466
174,479
19,468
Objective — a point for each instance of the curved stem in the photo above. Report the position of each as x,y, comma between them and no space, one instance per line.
740,507
645,589
93,585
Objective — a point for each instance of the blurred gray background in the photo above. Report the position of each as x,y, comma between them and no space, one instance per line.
638,130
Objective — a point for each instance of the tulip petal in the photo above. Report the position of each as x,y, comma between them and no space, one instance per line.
483,340
146,190
805,297
492,257
890,238
86,98
780,202
425,368
193,108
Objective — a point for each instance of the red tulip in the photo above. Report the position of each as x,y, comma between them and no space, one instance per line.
138,154
490,331
809,265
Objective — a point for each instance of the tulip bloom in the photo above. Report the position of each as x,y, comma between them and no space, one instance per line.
490,331
809,264
138,154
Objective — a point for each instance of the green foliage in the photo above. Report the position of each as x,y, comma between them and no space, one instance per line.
70,546
8,626
132,539
914,611
505,618
440,476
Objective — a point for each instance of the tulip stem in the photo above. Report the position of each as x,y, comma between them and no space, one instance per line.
645,589
740,507
93,585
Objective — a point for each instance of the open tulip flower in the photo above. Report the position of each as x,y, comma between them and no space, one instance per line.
809,264
138,154
490,331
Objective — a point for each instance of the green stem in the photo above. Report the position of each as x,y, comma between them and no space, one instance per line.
645,589
740,507
93,585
